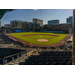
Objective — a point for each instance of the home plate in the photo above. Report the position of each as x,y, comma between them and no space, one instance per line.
42,40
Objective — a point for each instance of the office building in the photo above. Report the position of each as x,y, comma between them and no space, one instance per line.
30,25
16,23
70,20
38,21
24,25
7,25
59,27
53,22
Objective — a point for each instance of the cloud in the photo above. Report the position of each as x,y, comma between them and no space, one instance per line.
35,9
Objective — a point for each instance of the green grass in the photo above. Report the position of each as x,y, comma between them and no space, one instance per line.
35,37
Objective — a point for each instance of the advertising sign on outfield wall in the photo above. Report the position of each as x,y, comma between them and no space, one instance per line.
18,30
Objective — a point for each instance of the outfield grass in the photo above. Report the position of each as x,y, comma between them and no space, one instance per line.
35,37
38,37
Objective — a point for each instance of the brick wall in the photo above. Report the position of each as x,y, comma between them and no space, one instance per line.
27,25
23,25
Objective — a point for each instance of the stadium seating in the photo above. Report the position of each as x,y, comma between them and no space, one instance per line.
50,58
9,51
7,40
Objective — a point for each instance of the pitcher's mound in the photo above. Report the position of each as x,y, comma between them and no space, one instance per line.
42,40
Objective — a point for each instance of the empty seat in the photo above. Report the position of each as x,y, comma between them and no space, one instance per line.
22,63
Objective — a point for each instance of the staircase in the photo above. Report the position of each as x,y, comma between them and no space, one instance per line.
18,60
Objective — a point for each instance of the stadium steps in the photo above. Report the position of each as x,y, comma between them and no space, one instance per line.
52,57
21,59
18,60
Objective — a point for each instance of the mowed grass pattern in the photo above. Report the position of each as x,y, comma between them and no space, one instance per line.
34,41
40,36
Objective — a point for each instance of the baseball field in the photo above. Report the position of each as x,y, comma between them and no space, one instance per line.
39,38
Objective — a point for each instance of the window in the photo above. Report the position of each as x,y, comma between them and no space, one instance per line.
52,26
35,21
57,26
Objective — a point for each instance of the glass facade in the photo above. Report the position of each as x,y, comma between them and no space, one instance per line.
10,22
38,26
70,20
34,25
52,22
16,23
30,25
19,24
26,25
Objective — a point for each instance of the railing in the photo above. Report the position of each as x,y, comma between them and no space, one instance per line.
9,56
13,55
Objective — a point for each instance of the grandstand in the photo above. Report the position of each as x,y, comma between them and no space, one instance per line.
50,58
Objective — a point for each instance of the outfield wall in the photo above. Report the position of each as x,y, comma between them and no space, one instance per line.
18,30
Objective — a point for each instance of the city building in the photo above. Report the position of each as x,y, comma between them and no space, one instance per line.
59,27
70,20
7,25
30,25
16,23
38,21
24,25
53,22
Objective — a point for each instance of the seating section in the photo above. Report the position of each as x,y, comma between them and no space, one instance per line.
9,51
7,40
50,58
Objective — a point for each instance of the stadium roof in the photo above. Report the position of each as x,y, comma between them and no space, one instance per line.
3,11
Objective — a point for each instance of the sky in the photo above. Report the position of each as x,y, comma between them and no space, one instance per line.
43,14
